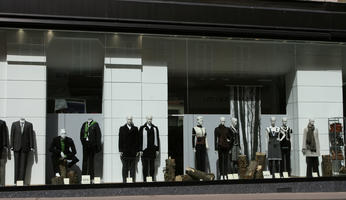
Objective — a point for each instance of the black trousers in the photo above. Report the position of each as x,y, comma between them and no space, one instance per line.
200,157
148,165
312,166
286,160
274,166
223,162
20,162
129,165
88,162
56,160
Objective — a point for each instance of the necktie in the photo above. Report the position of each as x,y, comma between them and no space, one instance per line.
22,127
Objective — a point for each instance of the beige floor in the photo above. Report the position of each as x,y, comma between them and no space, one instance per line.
279,196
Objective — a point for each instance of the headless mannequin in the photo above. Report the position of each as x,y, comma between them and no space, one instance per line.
222,137
200,144
150,146
22,142
274,149
63,148
236,148
311,151
285,147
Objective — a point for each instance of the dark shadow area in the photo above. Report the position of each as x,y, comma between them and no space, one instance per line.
32,159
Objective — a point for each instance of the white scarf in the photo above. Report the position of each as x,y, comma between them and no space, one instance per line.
145,136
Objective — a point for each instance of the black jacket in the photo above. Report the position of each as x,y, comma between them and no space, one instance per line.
129,143
21,141
3,135
94,137
55,147
151,148
235,137
223,138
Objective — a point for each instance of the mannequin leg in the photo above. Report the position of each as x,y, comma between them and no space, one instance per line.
288,162
315,165
202,158
23,161
270,166
85,161
124,169
220,163
152,168
145,167
55,164
283,161
73,159
133,169
308,167
16,166
91,164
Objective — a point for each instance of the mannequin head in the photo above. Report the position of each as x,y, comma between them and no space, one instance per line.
149,119
284,121
22,119
129,120
62,133
222,120
272,121
234,122
200,120
311,122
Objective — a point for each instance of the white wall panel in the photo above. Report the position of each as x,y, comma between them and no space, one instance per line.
107,91
26,72
2,89
155,92
122,109
158,109
26,108
126,91
126,75
319,78
320,94
26,89
319,110
3,71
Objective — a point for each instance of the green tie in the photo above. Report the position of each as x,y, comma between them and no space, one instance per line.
62,143
86,128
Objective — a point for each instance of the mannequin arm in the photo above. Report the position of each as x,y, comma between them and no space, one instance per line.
283,136
206,143
193,138
215,140
12,136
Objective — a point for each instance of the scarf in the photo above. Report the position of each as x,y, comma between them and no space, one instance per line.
86,128
145,137
310,139
62,143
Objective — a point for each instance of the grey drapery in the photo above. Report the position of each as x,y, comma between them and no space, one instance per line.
246,107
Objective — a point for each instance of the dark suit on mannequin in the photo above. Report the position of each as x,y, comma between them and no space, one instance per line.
90,136
3,136
129,147
66,146
22,142
149,145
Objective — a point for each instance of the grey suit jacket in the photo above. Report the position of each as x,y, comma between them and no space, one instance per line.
22,142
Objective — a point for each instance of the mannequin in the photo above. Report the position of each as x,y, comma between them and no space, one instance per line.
129,147
62,148
274,149
90,136
285,145
22,142
236,149
311,148
222,137
200,144
3,137
149,147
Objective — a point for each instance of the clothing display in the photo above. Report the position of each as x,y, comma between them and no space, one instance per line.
65,145
223,143
149,145
311,149
235,151
285,145
199,143
90,136
129,146
274,149
22,141
3,136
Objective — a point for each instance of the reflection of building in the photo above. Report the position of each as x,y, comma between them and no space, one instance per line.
117,61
